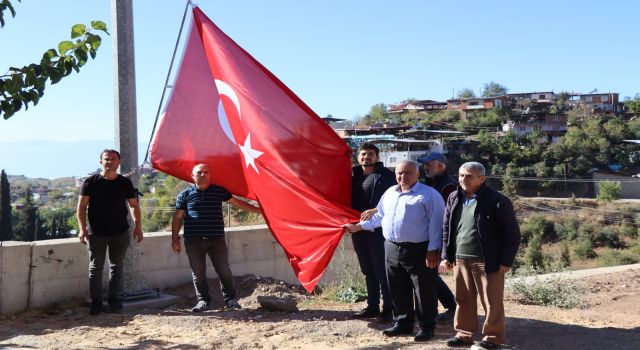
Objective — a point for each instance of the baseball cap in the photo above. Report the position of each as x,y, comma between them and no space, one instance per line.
433,156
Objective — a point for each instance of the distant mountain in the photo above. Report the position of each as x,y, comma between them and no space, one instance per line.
54,159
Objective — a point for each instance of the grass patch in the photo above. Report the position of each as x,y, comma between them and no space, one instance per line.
547,291
615,257
349,285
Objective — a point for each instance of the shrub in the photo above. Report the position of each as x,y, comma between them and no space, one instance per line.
628,231
534,257
615,257
583,249
608,237
547,291
349,284
567,229
565,255
609,190
538,225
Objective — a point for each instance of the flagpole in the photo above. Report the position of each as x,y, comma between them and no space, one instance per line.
166,82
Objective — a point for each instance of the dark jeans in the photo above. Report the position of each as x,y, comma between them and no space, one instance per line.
216,248
409,276
98,246
445,296
369,247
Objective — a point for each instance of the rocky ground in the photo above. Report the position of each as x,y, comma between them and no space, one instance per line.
609,318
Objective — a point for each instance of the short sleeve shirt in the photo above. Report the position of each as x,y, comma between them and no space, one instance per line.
108,209
203,210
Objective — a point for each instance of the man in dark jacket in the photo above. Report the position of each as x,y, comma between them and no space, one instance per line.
480,239
435,167
370,180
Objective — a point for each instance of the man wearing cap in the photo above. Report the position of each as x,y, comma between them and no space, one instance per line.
435,167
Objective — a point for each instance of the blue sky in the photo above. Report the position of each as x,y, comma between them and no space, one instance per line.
341,57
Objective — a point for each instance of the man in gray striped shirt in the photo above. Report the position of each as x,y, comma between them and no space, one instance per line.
199,207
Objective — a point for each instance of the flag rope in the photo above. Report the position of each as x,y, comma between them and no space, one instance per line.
166,82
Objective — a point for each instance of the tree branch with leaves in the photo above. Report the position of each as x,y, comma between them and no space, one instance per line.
21,86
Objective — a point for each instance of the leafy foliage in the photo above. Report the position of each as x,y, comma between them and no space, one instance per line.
557,292
5,208
583,249
609,190
615,257
6,5
466,93
377,114
633,105
26,219
22,86
494,89
534,257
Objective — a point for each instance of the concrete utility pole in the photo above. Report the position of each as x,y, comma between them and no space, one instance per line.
126,131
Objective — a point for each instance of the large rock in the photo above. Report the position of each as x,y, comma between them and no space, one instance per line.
273,303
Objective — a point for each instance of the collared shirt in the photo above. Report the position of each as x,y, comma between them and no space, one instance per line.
412,216
203,210
470,201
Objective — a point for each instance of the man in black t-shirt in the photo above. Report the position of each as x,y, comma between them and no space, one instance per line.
199,207
104,200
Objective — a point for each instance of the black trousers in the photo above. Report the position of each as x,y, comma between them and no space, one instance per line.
409,276
369,247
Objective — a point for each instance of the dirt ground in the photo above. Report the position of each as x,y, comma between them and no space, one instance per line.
609,318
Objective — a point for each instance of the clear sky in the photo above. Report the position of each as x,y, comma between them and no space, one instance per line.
341,57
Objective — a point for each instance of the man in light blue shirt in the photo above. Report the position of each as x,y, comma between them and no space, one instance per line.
410,215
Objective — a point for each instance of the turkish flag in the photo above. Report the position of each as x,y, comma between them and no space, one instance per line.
261,142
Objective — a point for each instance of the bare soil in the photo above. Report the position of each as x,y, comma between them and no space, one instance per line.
609,318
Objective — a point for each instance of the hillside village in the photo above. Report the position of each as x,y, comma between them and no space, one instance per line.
535,135
533,144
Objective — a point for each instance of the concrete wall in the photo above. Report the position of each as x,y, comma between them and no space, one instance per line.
39,274
630,186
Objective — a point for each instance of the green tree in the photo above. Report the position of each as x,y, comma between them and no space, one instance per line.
609,190
21,86
565,255
378,113
510,185
494,89
466,93
54,223
633,105
534,257
6,5
25,228
5,208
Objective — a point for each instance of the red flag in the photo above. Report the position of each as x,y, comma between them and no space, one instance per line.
294,164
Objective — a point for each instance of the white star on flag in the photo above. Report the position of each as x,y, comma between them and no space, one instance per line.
249,154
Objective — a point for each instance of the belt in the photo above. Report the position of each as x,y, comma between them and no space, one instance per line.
205,238
408,244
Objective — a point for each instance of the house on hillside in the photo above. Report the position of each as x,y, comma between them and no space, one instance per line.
600,102
471,104
384,129
545,96
553,125
419,106
40,195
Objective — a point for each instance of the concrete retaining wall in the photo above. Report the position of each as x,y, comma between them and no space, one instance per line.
39,274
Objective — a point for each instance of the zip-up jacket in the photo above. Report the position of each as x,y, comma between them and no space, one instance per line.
383,178
444,184
496,224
